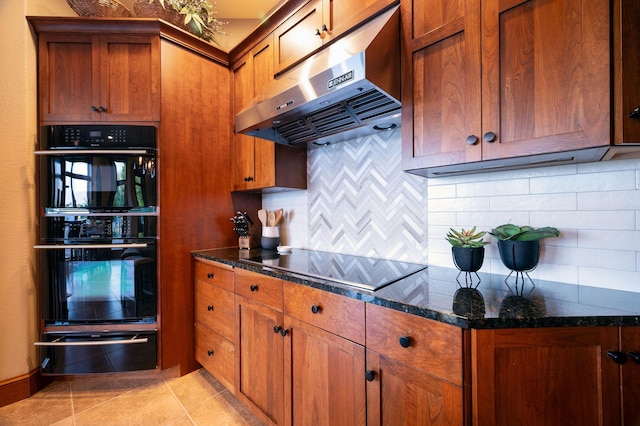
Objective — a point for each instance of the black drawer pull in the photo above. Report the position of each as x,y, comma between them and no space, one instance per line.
210,275
277,329
489,137
635,356
210,352
617,357
315,309
635,113
210,308
369,375
284,332
253,287
405,341
472,139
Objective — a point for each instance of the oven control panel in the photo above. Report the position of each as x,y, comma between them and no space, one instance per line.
98,136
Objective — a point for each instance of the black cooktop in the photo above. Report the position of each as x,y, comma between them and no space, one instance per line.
363,272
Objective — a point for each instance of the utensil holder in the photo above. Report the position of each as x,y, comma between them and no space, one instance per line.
270,237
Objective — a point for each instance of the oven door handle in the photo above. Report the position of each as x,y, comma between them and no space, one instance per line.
129,341
89,246
95,152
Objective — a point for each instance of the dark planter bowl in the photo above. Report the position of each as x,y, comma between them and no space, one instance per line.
468,259
519,255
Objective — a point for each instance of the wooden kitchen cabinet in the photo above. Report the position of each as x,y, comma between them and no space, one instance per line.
258,163
93,78
546,375
260,349
324,358
493,80
630,346
317,23
414,370
215,324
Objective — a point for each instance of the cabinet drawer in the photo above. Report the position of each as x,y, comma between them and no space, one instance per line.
214,275
260,288
216,354
433,346
214,308
331,312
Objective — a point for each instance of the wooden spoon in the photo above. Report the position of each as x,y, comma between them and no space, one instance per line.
262,215
278,217
271,219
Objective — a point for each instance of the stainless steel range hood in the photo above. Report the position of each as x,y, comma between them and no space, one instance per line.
349,89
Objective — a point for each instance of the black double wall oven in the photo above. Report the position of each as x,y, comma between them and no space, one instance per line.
97,248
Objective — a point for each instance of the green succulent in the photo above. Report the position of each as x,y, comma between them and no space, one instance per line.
466,238
523,233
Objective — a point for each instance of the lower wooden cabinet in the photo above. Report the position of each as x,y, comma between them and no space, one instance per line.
554,376
302,356
414,370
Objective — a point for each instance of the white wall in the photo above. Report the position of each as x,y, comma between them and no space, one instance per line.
596,207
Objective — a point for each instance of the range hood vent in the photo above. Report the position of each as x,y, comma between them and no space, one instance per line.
349,89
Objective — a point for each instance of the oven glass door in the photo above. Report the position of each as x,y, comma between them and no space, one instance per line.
98,181
98,283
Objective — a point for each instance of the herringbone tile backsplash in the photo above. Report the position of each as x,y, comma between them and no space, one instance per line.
360,201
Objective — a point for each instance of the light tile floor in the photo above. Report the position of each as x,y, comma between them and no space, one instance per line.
194,399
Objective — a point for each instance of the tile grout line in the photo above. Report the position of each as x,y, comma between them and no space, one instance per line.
164,381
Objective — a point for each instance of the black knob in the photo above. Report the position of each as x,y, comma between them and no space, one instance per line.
318,33
253,287
101,109
277,329
369,375
635,113
405,341
94,109
472,139
315,309
617,357
210,308
209,352
210,275
635,356
284,332
489,137
248,179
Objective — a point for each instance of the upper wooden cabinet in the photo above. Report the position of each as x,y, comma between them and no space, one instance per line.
317,23
495,80
257,163
92,78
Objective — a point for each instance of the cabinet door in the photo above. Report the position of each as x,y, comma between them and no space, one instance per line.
298,36
545,78
216,354
260,358
69,78
324,377
630,345
398,394
130,78
556,376
441,86
243,152
627,70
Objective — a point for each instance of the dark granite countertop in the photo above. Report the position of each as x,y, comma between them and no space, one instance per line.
495,302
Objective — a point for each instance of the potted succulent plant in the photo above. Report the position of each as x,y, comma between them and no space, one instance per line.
519,246
197,16
467,248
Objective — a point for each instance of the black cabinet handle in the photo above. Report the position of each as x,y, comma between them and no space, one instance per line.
248,179
284,332
635,113
210,275
277,329
210,308
98,109
369,375
472,139
405,341
617,357
210,352
635,356
94,109
253,287
315,309
489,137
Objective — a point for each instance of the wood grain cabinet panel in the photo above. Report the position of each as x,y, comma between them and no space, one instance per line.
216,354
550,376
90,77
496,80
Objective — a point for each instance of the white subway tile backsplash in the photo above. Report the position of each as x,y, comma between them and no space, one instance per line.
609,200
527,202
605,181
501,187
609,278
610,240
